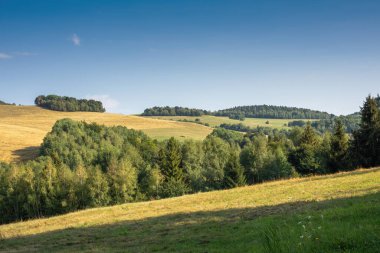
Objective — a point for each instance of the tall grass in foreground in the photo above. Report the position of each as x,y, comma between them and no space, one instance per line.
351,227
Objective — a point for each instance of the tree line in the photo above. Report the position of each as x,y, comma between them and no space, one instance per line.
242,112
173,111
5,103
271,112
84,165
68,104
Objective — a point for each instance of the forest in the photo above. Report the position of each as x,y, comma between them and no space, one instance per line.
173,111
83,165
272,112
241,112
68,104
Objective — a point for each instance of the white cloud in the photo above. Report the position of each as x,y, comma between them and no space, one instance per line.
108,102
4,56
24,53
75,39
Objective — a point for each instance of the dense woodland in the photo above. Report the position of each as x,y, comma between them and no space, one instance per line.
173,111
68,104
272,112
242,112
85,165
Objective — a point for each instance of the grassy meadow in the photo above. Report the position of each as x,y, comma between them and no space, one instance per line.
331,213
22,128
214,121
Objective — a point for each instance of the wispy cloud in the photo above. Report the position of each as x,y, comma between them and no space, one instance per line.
75,39
108,102
4,56
24,53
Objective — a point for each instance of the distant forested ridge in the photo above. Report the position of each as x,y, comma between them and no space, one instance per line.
173,111
350,122
241,112
68,104
272,112
4,103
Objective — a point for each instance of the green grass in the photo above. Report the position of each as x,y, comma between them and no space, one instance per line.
214,121
334,213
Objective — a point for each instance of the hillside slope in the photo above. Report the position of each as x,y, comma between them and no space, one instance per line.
22,128
215,121
316,214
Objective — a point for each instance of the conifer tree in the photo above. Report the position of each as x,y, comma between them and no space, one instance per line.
366,144
234,172
339,148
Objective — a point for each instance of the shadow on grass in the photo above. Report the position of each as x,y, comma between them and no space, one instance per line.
25,154
230,230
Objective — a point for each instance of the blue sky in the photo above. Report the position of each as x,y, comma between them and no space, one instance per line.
207,54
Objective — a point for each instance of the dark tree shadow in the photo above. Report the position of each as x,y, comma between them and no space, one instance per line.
26,154
229,230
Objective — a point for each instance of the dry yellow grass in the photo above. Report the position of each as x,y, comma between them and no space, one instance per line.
22,128
268,196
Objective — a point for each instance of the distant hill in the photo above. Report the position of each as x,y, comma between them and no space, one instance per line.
241,112
272,112
4,103
68,104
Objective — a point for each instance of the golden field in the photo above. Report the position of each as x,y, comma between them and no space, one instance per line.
22,128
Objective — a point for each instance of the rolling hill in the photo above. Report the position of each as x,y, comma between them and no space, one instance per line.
311,214
215,121
22,128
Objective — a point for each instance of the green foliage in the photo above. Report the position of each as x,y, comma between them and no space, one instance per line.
366,142
216,153
173,111
305,157
68,104
88,165
338,155
234,172
273,112
228,136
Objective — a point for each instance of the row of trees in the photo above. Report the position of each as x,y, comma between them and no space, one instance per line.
87,165
173,111
68,104
4,103
271,111
242,112
351,123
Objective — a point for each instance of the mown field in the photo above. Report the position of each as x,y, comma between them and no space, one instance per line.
22,128
216,121
334,213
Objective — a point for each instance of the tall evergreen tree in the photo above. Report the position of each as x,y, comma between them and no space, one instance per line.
171,159
304,158
366,143
234,172
338,148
